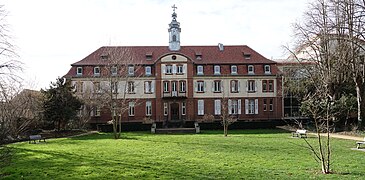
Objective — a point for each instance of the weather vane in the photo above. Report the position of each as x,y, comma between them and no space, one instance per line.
174,7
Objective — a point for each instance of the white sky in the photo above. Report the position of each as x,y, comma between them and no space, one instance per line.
52,34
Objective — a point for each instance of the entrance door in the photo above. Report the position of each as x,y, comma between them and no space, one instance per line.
174,111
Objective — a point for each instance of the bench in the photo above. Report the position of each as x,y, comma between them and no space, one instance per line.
36,137
359,143
301,133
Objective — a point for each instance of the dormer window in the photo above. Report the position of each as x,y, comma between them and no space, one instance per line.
199,70
251,69
96,71
104,56
233,69
168,69
148,56
267,69
79,71
148,70
131,70
198,56
217,70
247,56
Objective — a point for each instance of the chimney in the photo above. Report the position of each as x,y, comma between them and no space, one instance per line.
220,46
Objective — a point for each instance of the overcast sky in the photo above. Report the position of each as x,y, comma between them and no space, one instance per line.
52,34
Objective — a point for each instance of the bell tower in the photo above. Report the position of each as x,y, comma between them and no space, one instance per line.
174,32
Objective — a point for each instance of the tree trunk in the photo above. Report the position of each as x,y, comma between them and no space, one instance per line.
360,93
225,127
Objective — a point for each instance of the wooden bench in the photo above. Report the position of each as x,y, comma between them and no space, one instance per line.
34,138
359,143
301,133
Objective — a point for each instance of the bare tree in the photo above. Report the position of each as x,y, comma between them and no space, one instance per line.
120,72
227,117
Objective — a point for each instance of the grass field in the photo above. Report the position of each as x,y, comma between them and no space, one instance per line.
245,154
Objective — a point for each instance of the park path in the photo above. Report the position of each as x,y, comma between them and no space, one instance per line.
341,136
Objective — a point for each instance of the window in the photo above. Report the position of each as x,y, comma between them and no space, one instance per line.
233,69
130,87
265,104
114,70
234,106
183,108
235,86
97,88
148,87
251,106
174,38
264,85
96,71
267,86
200,86
182,86
114,87
79,71
168,69
180,69
95,111
201,107
217,86
271,86
79,87
131,70
271,106
148,70
217,107
166,86
251,86
148,108
165,109
251,69
174,86
267,69
200,70
131,109
217,70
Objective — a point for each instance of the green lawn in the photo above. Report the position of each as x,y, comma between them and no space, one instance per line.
245,154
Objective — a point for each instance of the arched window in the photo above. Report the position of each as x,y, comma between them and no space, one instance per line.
174,38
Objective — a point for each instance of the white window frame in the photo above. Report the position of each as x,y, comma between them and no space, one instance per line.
200,86
251,69
148,70
235,86
130,88
265,105
200,107
251,86
217,107
251,106
131,70
97,87
271,104
183,108
180,69
217,70
217,86
200,70
267,69
233,69
79,71
97,71
166,86
131,109
182,86
148,108
114,70
148,87
168,69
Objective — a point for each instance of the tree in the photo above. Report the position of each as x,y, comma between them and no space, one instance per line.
60,105
227,118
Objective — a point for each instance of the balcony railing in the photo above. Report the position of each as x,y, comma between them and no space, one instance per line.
173,94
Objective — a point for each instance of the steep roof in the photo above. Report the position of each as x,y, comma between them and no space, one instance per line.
208,54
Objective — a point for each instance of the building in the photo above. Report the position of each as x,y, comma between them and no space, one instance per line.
177,84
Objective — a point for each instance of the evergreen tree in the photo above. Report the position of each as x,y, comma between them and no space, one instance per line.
60,104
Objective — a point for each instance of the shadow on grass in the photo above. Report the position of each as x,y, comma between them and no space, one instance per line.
5,156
